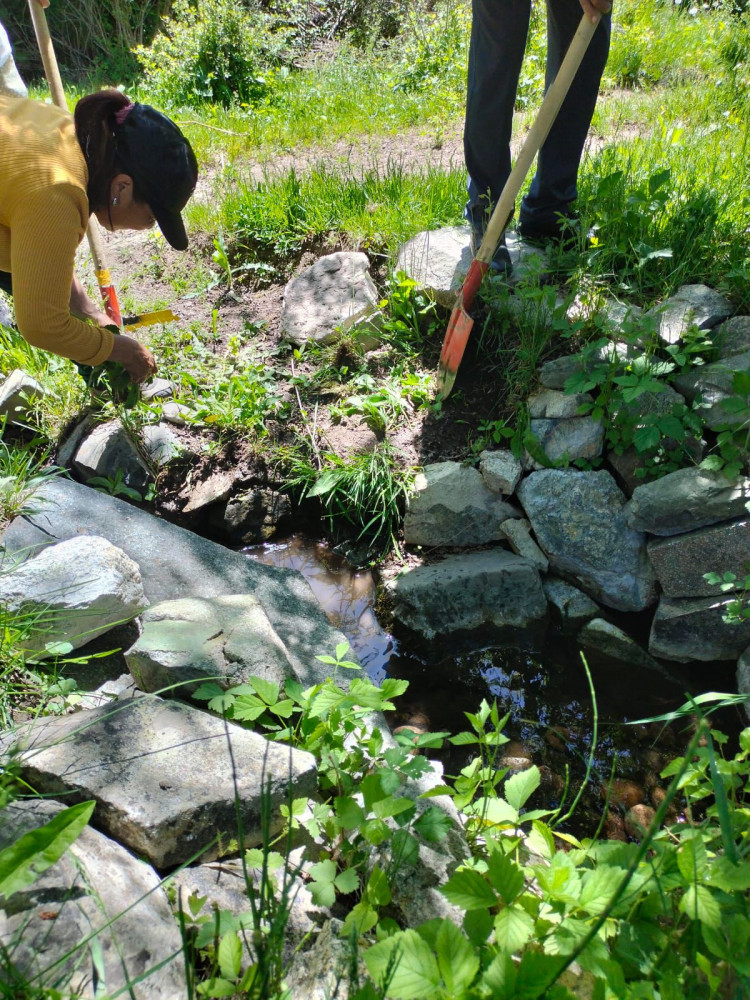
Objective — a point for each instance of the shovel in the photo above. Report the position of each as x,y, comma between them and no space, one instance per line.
459,327
101,271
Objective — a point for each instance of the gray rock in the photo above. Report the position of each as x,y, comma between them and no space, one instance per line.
109,451
687,629
175,562
162,775
328,298
553,405
161,444
494,588
97,893
253,516
743,679
691,305
215,489
518,533
322,971
222,885
709,386
6,311
579,522
605,639
617,314
681,561
732,337
176,413
438,262
570,607
501,470
192,639
633,471
567,440
554,374
76,590
69,446
451,505
685,500
18,394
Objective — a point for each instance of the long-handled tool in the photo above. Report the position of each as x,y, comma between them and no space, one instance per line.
460,324
101,271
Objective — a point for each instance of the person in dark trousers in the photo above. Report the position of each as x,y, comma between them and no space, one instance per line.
498,40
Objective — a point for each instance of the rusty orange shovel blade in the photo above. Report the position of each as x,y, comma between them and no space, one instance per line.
454,345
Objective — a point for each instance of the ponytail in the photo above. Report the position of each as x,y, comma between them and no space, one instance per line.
96,120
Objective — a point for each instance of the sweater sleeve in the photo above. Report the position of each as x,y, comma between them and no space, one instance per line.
45,232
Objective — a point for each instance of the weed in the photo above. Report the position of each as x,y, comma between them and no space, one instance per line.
366,492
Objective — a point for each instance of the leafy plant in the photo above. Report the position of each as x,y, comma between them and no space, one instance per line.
738,610
22,471
115,486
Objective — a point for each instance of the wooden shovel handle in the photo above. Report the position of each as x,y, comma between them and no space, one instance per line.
551,105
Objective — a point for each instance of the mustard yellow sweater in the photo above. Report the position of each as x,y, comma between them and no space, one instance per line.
44,212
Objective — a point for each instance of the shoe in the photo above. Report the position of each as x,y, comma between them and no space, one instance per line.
560,229
157,388
501,264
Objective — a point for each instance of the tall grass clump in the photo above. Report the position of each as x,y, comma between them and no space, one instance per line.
374,209
672,210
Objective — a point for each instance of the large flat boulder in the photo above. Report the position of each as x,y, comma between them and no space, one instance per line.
579,522
491,589
687,629
452,505
228,639
166,778
681,560
75,591
177,563
96,896
685,500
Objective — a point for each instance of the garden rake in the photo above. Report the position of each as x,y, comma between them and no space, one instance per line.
459,327
101,271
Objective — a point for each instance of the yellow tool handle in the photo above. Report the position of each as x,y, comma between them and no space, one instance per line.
52,72
552,103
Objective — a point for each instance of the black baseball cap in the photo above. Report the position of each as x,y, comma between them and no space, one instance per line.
155,153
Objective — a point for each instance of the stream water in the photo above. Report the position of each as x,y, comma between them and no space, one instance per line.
544,690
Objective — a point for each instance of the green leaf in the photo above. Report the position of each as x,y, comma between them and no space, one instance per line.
521,786
457,961
36,851
329,697
247,708
390,806
730,877
698,903
433,824
341,649
692,858
230,955
478,925
350,813
468,890
416,976
505,875
347,881
268,691
360,919
499,978
378,891
404,848
599,886
392,687
217,988
513,928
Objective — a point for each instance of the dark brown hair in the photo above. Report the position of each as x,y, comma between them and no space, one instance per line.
95,125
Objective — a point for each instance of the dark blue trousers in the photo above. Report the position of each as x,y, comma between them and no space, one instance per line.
498,39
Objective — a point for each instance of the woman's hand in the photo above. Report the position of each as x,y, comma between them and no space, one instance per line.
136,359
593,9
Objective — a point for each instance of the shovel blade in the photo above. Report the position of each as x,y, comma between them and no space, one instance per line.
454,345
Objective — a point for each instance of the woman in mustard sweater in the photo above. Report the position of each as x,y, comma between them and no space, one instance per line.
126,163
